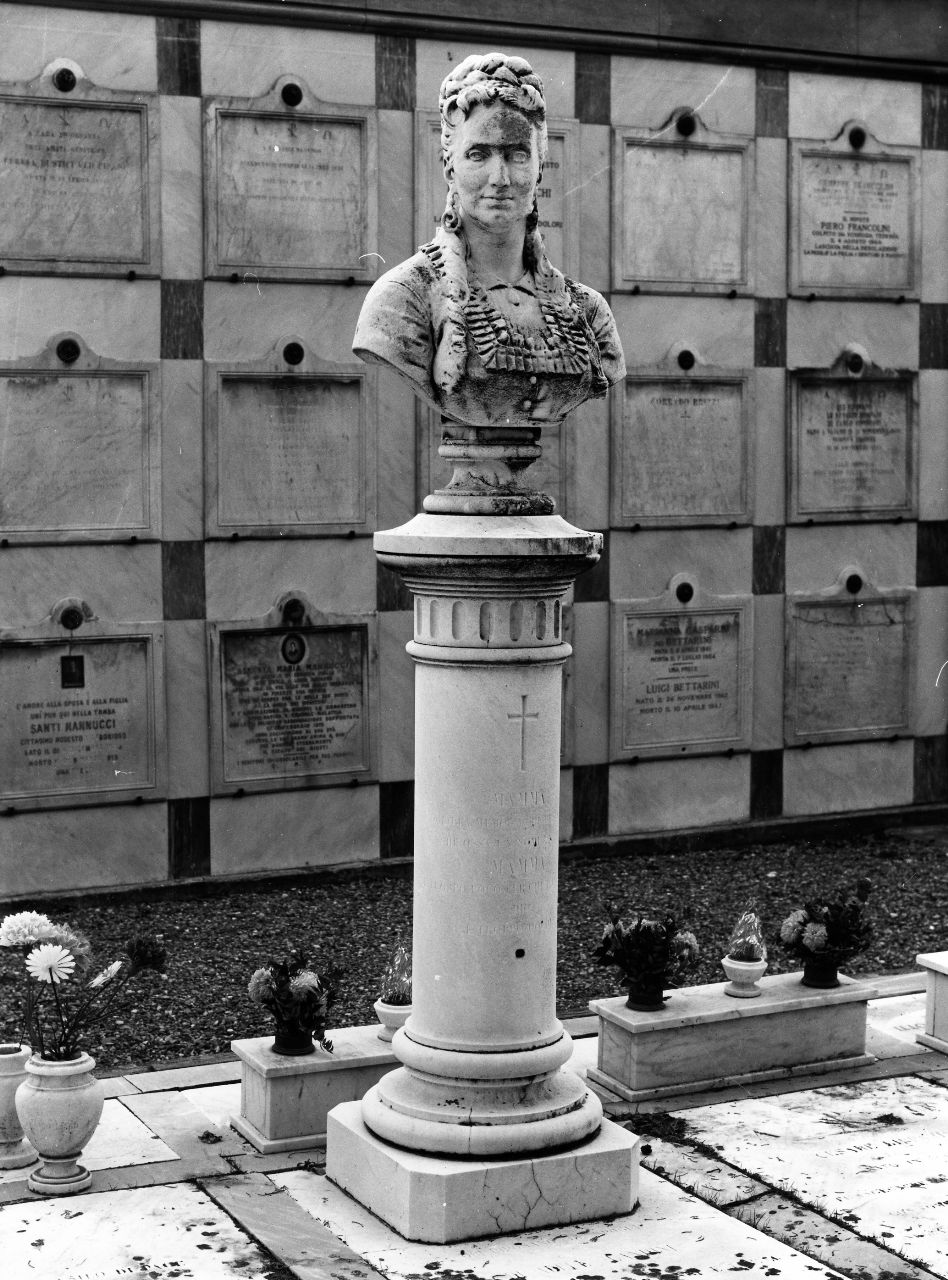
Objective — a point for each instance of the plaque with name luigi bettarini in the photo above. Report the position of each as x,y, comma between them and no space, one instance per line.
681,208
558,195
681,445
291,187
850,662
853,441
81,177
854,217
287,446
681,673
82,718
293,701
81,449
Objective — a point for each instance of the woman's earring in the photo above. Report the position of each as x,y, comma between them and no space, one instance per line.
533,217
451,218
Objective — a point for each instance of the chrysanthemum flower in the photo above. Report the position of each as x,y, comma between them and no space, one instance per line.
306,983
261,986
792,927
814,937
50,963
107,974
25,928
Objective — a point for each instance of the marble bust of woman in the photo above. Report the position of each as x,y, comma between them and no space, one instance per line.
479,321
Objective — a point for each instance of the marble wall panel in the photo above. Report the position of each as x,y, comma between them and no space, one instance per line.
186,698
279,830
120,583
932,444
820,105
767,705
242,321
83,848
182,457
934,245
395,442
116,318
181,188
555,67
338,66
642,563
817,332
243,580
113,49
720,331
590,680
769,430
396,223
595,146
770,209
931,671
816,556
396,680
587,465
846,777
645,91
662,795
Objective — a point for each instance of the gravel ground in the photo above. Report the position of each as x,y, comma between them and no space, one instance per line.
215,943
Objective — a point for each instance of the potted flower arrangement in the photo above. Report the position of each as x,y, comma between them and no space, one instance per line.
394,1003
299,999
650,954
59,1102
825,933
745,959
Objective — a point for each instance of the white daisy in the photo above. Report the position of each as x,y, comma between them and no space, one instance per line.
50,963
107,974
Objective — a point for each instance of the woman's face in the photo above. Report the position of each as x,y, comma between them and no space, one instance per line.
495,162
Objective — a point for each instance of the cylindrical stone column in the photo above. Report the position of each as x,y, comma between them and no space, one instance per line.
483,1050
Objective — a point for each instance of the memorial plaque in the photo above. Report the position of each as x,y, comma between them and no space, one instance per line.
557,195
547,474
681,450
850,663
292,703
853,220
287,447
681,673
81,453
682,211
853,446
80,180
83,716
291,189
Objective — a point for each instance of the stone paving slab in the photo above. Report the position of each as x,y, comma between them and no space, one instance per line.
714,1181
669,1236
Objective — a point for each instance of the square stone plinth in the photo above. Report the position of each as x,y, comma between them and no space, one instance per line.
704,1039
440,1199
284,1101
935,1035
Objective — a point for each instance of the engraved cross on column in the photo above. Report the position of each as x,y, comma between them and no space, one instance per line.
523,716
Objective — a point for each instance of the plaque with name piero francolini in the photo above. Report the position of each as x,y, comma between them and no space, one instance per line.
291,187
80,178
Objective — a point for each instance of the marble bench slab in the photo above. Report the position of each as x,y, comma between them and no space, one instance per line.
284,1101
704,1039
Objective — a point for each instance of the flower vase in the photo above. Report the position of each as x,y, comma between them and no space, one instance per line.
59,1105
743,976
15,1151
391,1016
820,974
646,999
292,1041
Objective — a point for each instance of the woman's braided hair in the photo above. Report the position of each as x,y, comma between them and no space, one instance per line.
484,78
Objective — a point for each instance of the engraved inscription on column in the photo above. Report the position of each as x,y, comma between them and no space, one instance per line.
681,211
291,191
853,446
294,705
850,663
80,184
853,222
681,451
79,721
681,679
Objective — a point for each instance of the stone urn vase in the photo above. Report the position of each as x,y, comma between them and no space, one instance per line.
59,1105
743,976
391,1016
15,1151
